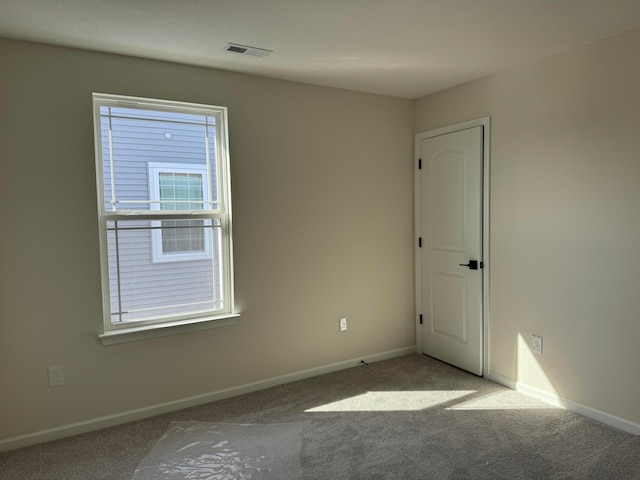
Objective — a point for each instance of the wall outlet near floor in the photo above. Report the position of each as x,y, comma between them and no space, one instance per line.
536,344
342,324
56,376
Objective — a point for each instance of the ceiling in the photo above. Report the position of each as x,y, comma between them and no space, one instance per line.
403,48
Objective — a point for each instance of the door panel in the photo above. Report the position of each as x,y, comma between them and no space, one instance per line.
447,201
448,316
451,226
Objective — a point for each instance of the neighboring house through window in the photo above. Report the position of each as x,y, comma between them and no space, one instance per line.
179,187
164,207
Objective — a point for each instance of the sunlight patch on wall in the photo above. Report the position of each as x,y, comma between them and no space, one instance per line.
530,372
502,400
398,401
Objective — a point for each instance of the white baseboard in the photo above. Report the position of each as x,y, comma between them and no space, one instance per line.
158,409
558,401
500,380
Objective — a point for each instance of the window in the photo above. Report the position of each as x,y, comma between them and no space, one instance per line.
164,210
178,187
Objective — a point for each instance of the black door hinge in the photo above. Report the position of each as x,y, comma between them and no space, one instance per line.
419,242
420,319
419,164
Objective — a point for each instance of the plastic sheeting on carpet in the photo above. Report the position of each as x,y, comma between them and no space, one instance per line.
222,451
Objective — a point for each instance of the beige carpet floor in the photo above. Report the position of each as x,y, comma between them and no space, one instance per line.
406,418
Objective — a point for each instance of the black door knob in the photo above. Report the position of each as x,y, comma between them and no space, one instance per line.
473,265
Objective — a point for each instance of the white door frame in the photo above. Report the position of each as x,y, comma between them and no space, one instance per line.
484,122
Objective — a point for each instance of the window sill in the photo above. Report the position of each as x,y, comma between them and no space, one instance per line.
123,335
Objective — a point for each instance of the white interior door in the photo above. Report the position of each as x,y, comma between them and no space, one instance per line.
450,230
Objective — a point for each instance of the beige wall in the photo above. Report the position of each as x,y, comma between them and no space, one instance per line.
323,227
565,219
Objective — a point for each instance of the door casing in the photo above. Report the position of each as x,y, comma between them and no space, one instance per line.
484,122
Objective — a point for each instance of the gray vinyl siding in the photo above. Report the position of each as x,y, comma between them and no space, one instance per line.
147,284
138,142
143,282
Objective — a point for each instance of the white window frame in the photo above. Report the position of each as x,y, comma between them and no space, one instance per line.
155,169
167,325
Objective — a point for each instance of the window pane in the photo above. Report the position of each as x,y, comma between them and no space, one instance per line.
177,236
131,138
142,290
185,188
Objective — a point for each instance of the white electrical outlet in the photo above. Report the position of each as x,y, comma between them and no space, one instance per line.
536,344
56,376
342,322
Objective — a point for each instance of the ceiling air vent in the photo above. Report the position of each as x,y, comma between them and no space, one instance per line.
245,50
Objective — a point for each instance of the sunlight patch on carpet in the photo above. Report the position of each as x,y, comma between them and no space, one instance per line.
208,451
502,400
400,401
